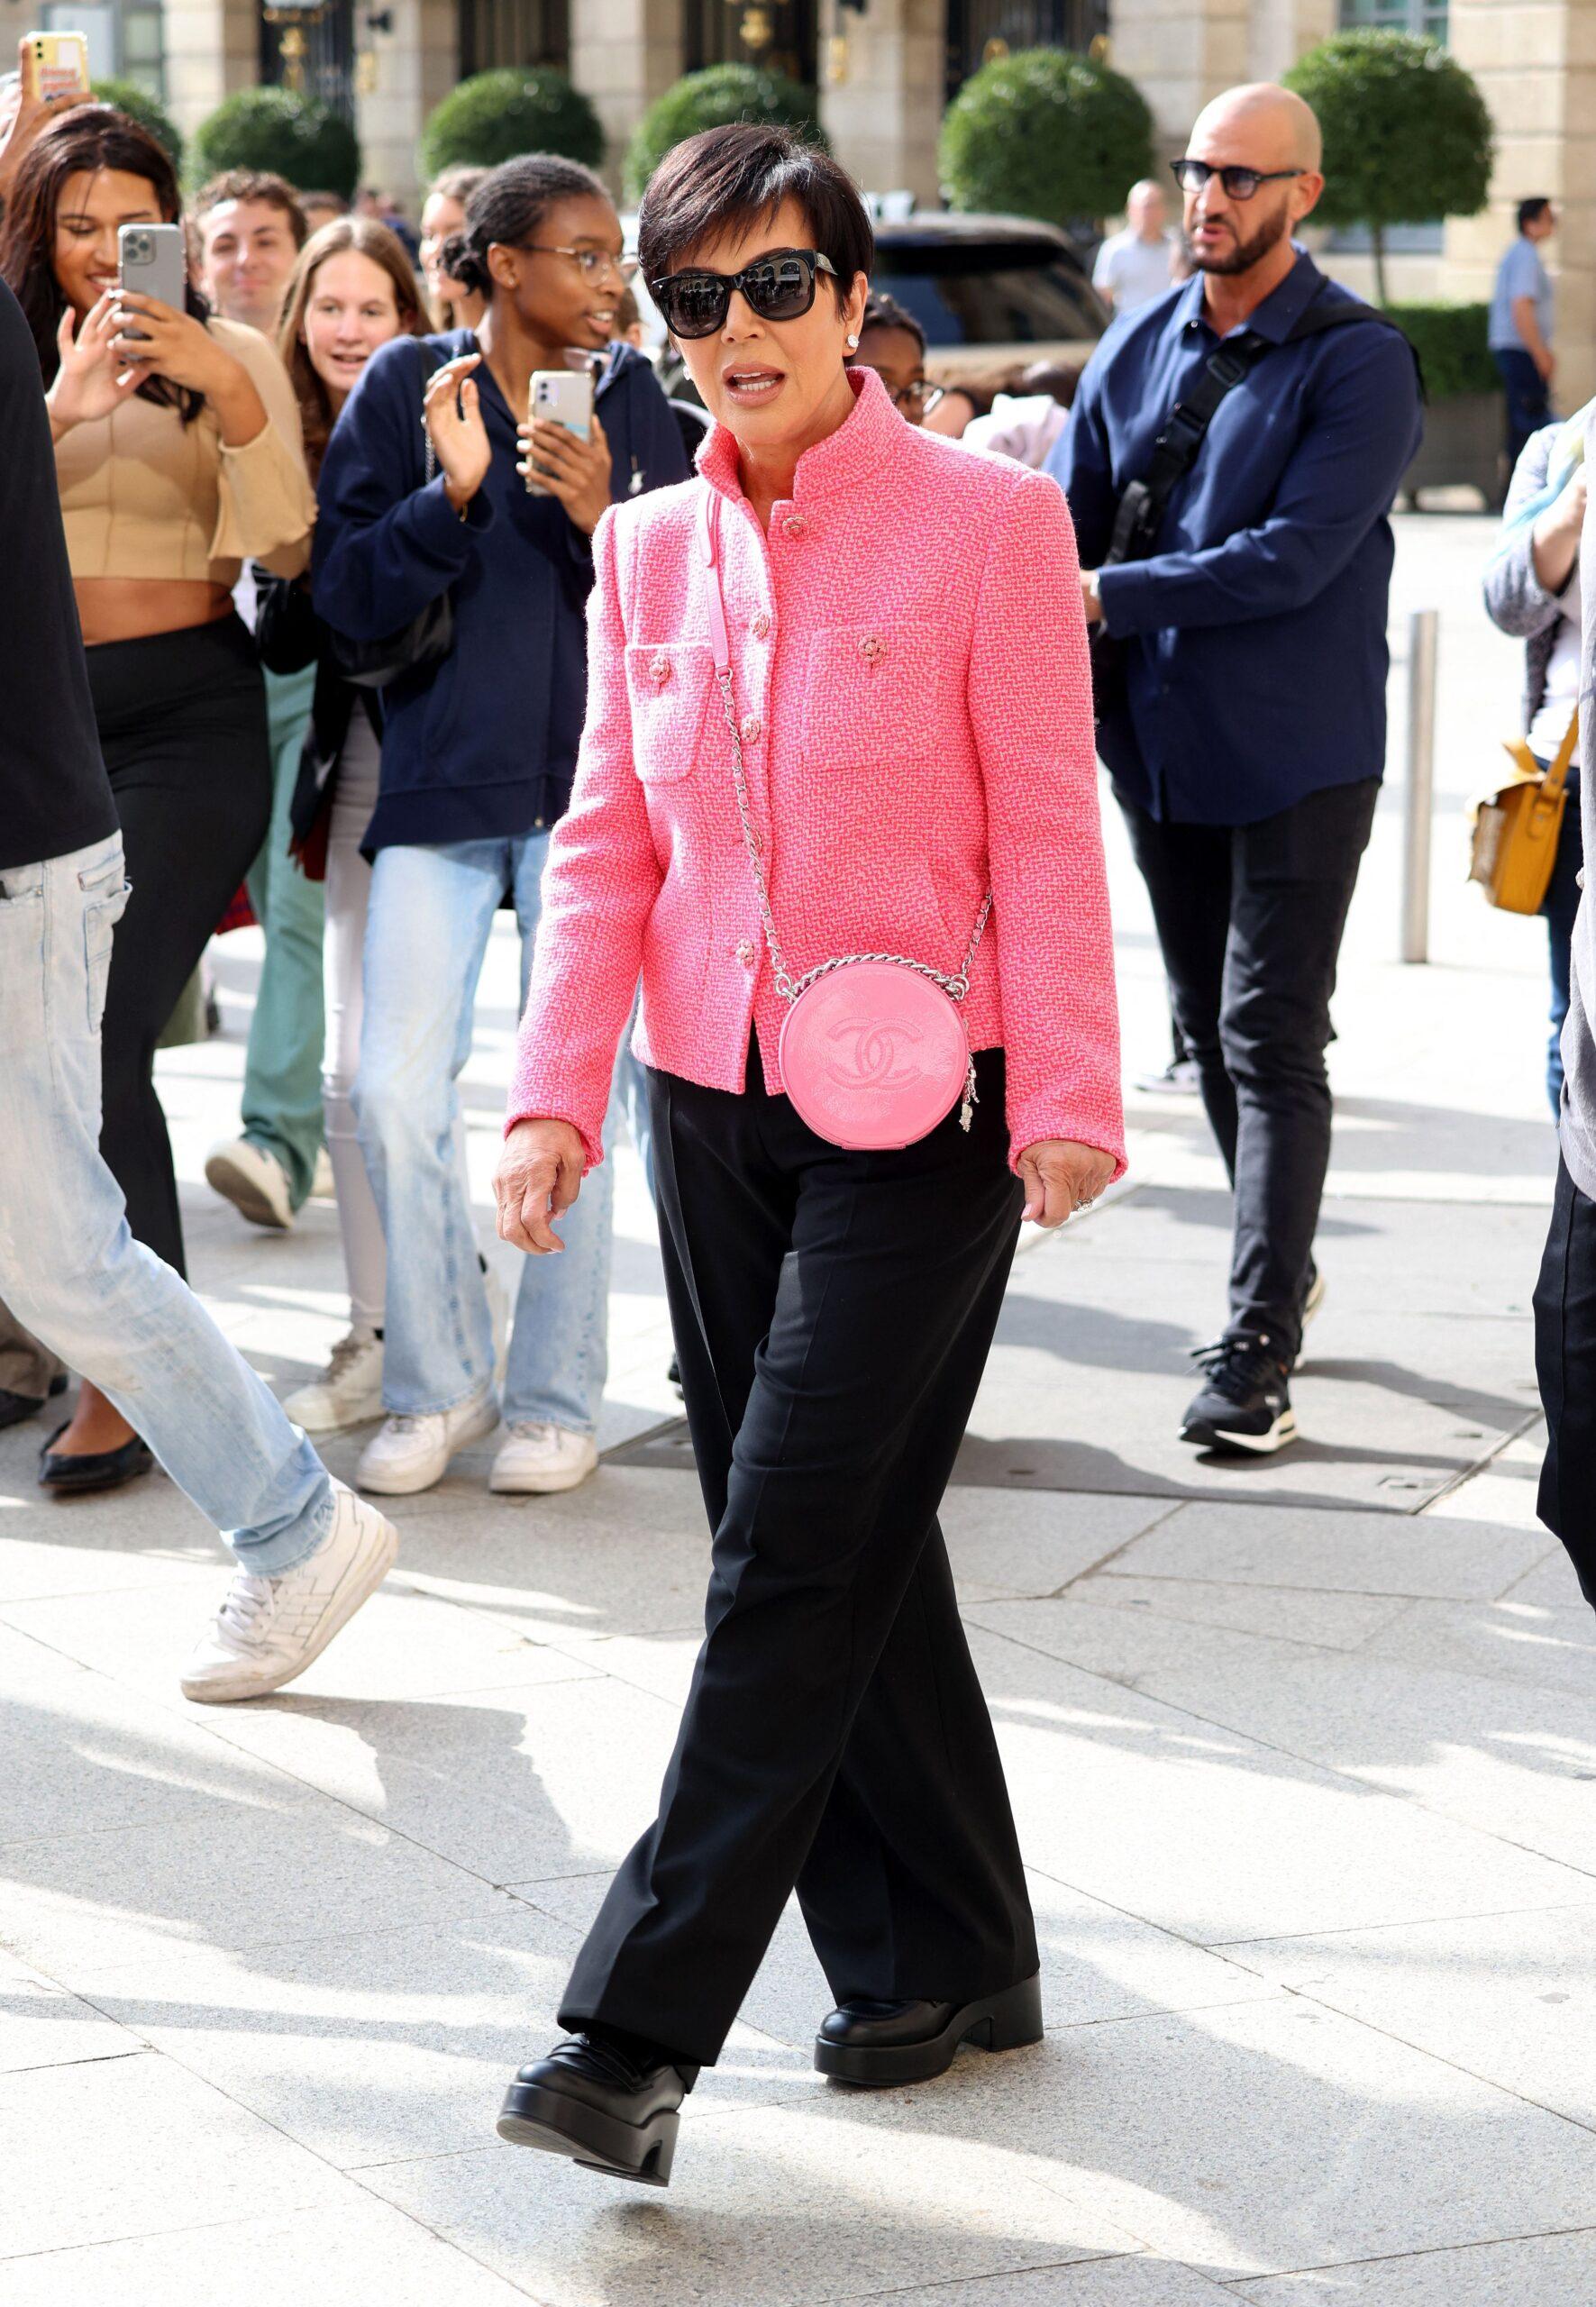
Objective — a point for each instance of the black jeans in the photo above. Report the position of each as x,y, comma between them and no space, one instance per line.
182,722
1250,919
1528,404
833,1315
1565,1365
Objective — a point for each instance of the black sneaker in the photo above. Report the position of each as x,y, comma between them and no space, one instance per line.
1244,1404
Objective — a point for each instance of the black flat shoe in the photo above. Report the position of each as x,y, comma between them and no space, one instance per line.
15,1408
101,1469
882,2043
589,2100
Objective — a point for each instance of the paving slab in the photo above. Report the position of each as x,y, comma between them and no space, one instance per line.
1331,1621
1510,1998
361,2251
1142,2282
42,2025
1513,1641
1257,2137
777,2207
131,2145
1421,1555
1219,1837
1531,2271
386,2045
1097,1963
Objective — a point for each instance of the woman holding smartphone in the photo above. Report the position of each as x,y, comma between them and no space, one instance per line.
479,747
352,291
177,458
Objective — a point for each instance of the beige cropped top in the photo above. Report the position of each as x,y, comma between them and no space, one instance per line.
144,495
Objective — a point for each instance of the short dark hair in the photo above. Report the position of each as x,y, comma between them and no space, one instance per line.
253,183
739,175
1532,210
882,310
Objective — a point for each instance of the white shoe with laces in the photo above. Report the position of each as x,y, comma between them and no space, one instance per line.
348,1390
543,1458
408,1454
269,1629
253,1180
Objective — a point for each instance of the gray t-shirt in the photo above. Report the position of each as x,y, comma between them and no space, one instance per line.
1130,272
1521,273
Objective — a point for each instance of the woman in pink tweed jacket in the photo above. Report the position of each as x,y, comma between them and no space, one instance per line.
910,672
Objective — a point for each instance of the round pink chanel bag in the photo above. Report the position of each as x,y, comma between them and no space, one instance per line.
874,1052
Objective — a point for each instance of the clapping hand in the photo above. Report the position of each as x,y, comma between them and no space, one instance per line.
452,415
576,471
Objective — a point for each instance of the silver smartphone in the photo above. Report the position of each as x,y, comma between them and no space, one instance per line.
561,396
152,260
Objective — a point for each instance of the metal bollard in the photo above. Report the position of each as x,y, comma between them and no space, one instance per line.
1423,633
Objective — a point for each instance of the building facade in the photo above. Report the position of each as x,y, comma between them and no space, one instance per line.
884,68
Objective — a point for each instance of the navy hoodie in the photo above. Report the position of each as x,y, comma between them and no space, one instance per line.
483,745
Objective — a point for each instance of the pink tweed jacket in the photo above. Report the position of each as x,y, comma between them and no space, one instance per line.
909,658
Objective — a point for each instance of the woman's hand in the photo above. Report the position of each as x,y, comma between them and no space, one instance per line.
453,413
156,339
539,1176
576,471
1554,539
88,384
1061,1177
23,112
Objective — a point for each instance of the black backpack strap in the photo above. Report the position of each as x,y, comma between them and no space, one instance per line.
1143,502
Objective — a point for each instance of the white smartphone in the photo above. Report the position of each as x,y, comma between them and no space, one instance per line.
59,63
152,260
561,396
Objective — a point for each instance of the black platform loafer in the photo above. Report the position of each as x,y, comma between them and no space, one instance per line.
589,2100
883,2042
97,1469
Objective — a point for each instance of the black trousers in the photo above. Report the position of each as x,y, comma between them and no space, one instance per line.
1250,920
1528,403
1566,1364
833,1315
182,722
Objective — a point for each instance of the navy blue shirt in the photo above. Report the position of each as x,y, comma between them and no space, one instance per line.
1256,655
483,745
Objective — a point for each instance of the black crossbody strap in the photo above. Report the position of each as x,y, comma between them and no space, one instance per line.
1143,501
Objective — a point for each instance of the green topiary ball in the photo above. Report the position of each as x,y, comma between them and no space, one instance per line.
139,105
293,136
1044,133
496,116
713,99
1407,136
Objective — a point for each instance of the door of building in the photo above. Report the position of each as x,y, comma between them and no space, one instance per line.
312,48
778,34
979,30
512,32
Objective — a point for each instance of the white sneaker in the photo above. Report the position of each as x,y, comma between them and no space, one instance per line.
348,1390
269,1629
253,1180
410,1453
322,1186
543,1458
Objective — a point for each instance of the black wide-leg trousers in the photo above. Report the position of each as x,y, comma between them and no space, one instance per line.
1565,1365
833,1315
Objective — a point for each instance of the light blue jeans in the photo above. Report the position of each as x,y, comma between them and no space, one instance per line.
282,1096
70,1269
426,934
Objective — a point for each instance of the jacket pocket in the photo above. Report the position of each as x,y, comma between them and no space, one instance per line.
671,685
872,693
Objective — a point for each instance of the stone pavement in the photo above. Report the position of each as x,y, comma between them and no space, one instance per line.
1302,1754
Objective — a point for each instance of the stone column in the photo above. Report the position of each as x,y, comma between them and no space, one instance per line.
211,48
1535,65
881,79
403,74
623,54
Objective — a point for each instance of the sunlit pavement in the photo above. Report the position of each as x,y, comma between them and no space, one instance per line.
1304,1756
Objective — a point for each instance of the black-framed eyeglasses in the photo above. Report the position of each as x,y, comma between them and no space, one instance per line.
1240,184
780,287
592,262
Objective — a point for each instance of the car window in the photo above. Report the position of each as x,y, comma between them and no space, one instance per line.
1009,293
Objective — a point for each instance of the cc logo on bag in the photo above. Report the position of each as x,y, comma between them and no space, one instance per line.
874,1050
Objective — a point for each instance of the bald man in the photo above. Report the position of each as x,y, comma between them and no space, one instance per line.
1133,267
1239,607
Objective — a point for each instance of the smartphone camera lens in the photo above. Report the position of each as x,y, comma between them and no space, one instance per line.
136,248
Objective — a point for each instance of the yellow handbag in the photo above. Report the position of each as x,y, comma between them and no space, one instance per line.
1514,829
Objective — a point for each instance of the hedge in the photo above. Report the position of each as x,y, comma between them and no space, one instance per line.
139,105
1045,134
713,99
291,135
1451,343
496,116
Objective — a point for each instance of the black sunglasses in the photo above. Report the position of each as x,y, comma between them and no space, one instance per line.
780,287
1240,184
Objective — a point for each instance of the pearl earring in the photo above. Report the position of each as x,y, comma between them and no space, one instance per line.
852,344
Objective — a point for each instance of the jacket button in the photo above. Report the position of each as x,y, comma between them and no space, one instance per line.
750,729
746,952
761,627
795,524
659,670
